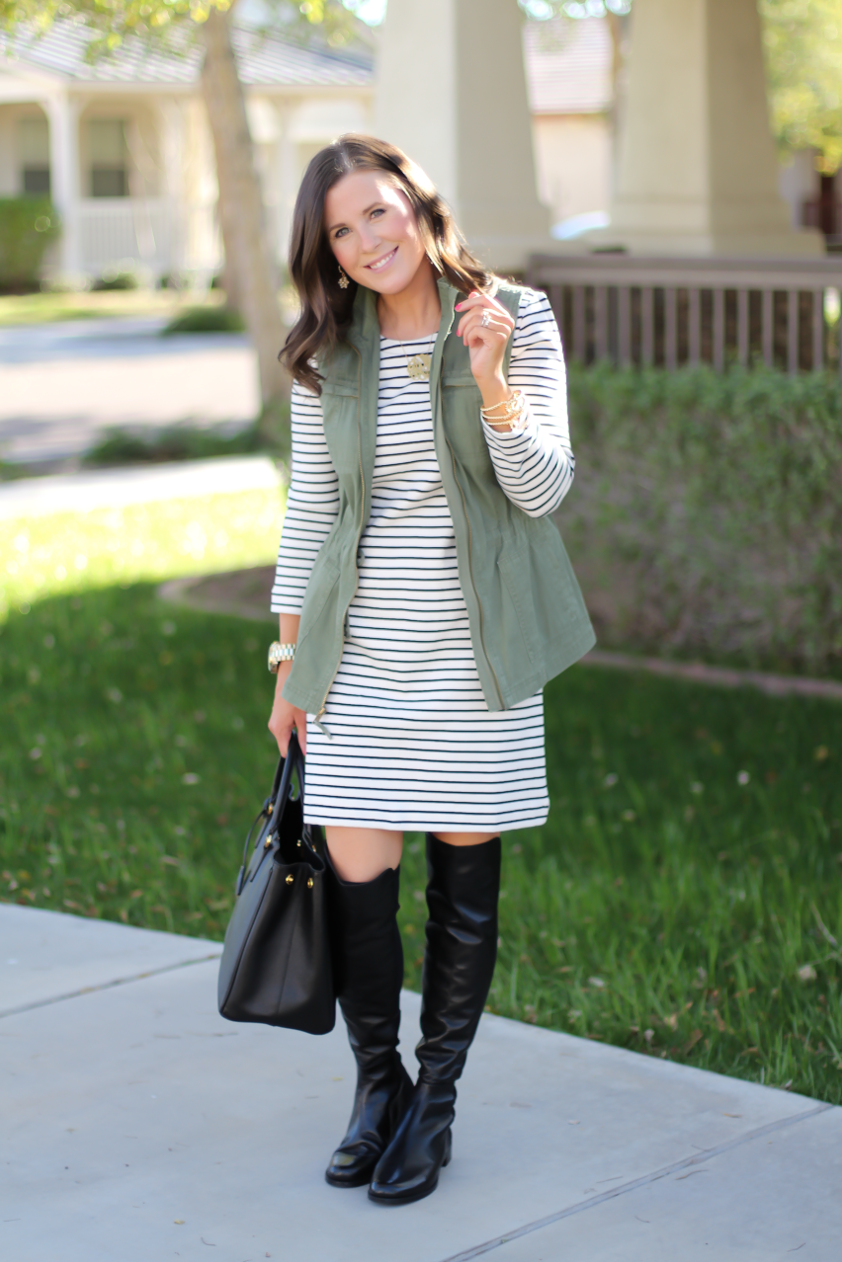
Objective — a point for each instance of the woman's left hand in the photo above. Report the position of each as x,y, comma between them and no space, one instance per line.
486,343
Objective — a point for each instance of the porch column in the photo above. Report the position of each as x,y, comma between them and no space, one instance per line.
451,92
173,158
288,178
697,171
63,113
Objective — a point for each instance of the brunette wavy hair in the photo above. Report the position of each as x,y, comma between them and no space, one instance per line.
325,308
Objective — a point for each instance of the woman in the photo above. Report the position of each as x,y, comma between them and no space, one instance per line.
424,599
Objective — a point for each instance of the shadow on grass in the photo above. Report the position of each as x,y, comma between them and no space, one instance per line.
689,870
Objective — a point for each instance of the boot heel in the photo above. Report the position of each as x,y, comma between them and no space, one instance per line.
448,1152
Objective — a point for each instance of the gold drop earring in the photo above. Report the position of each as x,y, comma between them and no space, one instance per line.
343,279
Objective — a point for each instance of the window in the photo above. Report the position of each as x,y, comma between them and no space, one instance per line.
108,158
34,154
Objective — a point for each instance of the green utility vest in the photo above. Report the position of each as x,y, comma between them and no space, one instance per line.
527,618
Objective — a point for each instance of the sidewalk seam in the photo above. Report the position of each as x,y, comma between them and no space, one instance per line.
696,1160
118,981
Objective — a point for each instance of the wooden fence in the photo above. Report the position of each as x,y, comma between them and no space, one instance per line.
673,311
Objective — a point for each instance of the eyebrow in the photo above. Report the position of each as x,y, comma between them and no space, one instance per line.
334,226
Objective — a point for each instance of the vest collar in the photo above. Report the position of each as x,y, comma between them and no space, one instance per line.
365,327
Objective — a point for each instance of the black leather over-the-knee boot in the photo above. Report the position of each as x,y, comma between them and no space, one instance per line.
462,891
369,975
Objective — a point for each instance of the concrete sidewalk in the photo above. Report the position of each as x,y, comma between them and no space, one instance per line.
138,484
139,1126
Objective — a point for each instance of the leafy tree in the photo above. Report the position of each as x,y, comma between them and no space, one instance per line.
804,66
541,10
248,252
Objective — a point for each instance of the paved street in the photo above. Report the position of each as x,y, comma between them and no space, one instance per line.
138,1125
63,385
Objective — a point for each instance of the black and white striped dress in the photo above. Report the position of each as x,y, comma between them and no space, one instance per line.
413,745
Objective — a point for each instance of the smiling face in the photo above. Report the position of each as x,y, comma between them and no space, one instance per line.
373,232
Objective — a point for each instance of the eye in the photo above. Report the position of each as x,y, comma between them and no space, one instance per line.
379,210
339,233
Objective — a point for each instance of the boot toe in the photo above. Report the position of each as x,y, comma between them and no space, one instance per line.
403,1176
401,1194
397,1191
351,1168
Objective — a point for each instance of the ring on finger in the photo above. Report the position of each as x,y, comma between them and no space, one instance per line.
486,317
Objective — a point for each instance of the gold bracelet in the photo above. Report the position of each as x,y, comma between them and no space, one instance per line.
513,408
504,403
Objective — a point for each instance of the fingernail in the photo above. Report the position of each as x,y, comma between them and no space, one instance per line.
458,307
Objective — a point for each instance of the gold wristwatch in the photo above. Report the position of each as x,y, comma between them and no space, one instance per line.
279,653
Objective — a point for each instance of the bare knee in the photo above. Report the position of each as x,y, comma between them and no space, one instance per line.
361,854
465,839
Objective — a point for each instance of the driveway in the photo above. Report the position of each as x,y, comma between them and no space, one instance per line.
62,386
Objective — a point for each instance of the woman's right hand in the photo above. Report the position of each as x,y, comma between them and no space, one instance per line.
285,716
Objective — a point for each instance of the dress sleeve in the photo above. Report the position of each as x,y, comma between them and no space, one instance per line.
535,466
312,503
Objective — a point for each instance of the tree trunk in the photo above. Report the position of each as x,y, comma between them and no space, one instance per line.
249,259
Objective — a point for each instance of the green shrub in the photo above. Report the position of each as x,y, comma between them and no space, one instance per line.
706,516
177,442
28,225
205,320
116,278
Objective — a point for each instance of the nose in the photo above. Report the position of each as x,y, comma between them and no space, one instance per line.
369,239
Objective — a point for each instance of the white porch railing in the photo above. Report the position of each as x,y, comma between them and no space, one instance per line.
672,311
156,234
153,233
119,230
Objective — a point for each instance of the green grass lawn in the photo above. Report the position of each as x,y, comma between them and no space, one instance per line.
685,899
47,308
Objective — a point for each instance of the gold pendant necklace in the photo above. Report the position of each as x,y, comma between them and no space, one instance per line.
418,366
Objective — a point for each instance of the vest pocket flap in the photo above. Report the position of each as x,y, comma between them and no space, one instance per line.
348,389
458,378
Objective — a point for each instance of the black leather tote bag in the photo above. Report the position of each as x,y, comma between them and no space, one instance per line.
276,963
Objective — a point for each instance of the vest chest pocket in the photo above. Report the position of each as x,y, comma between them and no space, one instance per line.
461,402
340,407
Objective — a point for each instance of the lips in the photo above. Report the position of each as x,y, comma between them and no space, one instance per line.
384,261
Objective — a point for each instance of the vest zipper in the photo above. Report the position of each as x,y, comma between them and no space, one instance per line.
317,717
471,571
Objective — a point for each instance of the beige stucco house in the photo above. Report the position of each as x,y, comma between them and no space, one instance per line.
123,147
569,81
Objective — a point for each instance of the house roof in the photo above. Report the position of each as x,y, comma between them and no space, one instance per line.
264,59
568,66
568,63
